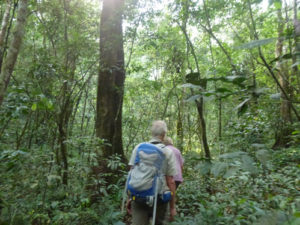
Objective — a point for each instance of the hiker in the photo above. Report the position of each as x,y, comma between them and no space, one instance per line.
179,160
165,210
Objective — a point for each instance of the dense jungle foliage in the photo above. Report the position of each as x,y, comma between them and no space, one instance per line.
223,74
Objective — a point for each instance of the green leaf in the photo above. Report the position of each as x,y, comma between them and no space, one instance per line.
258,146
219,168
194,78
50,105
277,4
256,43
222,90
286,56
248,164
204,167
119,223
295,221
34,107
193,98
242,107
189,85
235,79
231,172
295,64
263,156
231,155
260,91
297,214
276,96
54,204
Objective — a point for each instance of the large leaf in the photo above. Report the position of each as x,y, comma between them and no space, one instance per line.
193,98
231,155
272,218
231,172
235,79
194,78
258,145
276,96
296,64
286,56
248,164
263,156
222,90
204,167
242,107
256,43
219,168
189,85
260,91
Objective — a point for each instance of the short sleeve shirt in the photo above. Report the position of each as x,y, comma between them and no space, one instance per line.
179,163
169,165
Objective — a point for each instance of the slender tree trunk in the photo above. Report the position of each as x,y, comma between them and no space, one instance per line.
67,101
83,112
283,133
19,138
219,100
13,51
296,52
285,94
200,105
179,125
3,30
111,79
200,102
283,71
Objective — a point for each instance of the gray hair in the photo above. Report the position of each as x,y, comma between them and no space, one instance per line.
168,141
159,128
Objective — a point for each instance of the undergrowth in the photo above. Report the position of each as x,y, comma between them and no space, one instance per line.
239,188
269,195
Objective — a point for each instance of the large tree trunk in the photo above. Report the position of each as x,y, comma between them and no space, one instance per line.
13,51
111,79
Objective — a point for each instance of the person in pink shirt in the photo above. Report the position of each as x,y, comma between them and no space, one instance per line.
179,160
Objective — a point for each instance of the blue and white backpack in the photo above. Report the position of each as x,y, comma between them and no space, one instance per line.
145,179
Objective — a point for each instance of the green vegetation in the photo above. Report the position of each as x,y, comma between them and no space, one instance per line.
223,74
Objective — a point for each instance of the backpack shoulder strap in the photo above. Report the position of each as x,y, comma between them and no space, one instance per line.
158,144
155,142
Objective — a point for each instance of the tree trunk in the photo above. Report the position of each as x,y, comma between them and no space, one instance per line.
203,128
67,99
219,100
179,127
296,52
111,79
283,133
3,30
286,96
13,51
199,103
